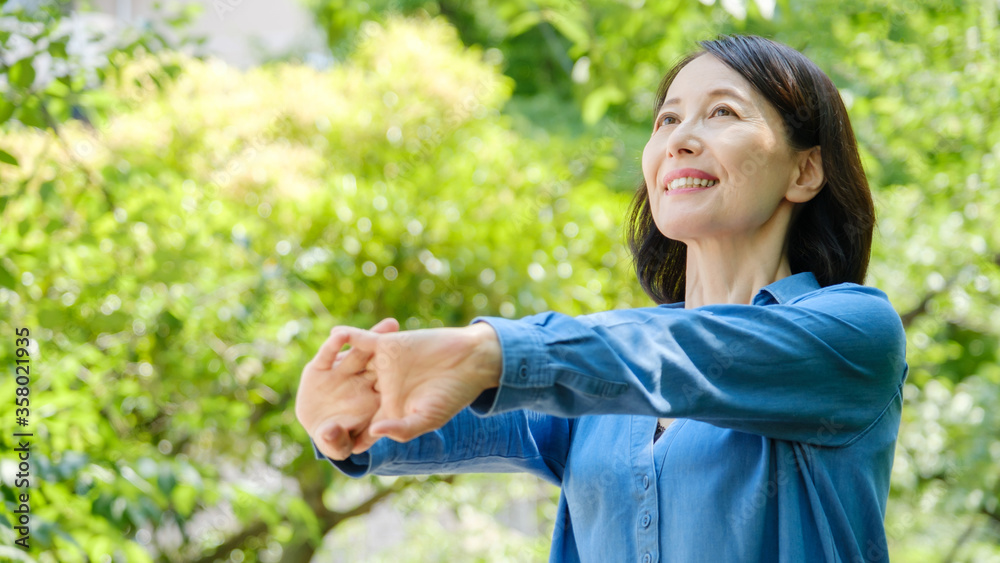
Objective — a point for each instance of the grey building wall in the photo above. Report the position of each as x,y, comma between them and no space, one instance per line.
240,32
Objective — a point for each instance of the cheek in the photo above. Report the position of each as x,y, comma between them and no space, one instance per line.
749,159
649,170
652,157
647,164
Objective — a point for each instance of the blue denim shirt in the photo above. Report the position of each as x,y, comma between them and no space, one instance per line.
788,411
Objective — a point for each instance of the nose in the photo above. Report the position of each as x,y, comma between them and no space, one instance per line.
684,139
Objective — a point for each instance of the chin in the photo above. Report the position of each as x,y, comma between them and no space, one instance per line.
679,229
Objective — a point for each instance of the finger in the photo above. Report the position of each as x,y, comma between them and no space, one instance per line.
336,440
388,383
386,325
362,344
329,351
402,429
381,414
371,372
360,338
341,356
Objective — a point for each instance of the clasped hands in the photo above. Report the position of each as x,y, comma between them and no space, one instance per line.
391,383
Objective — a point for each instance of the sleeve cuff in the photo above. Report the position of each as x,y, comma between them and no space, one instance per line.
358,465
523,375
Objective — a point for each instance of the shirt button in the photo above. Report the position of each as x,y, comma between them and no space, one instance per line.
645,481
523,371
647,558
645,520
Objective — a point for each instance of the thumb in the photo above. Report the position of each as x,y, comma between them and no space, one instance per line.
364,442
402,429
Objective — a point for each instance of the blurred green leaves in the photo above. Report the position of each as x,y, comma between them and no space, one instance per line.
253,211
180,258
37,35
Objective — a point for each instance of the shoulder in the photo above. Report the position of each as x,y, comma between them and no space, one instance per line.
851,300
843,290
859,314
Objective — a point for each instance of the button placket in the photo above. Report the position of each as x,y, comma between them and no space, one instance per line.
647,535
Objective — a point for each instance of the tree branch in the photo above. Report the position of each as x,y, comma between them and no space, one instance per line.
960,542
314,498
920,309
995,517
92,176
328,519
398,486
251,530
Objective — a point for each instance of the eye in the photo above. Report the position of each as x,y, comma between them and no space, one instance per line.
660,120
722,108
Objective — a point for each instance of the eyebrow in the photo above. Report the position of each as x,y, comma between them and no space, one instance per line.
714,93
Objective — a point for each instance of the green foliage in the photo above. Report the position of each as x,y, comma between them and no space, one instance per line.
37,35
181,260
455,519
922,82
919,80
252,212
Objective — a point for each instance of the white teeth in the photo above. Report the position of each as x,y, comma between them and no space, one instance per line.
685,182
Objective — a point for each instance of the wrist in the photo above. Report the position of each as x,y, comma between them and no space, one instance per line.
488,354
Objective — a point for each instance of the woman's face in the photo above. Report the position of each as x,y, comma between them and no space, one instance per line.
715,128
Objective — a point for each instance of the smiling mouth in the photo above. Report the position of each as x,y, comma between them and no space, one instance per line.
685,185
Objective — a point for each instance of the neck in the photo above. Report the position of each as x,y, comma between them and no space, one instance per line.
733,269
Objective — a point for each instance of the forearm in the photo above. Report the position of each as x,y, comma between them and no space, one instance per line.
512,442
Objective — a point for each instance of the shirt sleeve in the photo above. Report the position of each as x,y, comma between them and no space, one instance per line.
515,441
818,369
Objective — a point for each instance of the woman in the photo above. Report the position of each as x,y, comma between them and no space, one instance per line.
776,375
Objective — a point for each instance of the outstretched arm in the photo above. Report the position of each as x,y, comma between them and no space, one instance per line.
821,367
516,441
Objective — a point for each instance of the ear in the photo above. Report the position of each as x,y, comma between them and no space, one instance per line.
808,177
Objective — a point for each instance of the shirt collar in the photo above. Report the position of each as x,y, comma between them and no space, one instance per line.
786,289
779,292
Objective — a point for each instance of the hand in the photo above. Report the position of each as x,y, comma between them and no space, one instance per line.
426,376
337,396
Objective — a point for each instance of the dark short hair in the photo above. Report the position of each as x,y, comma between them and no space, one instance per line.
831,234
